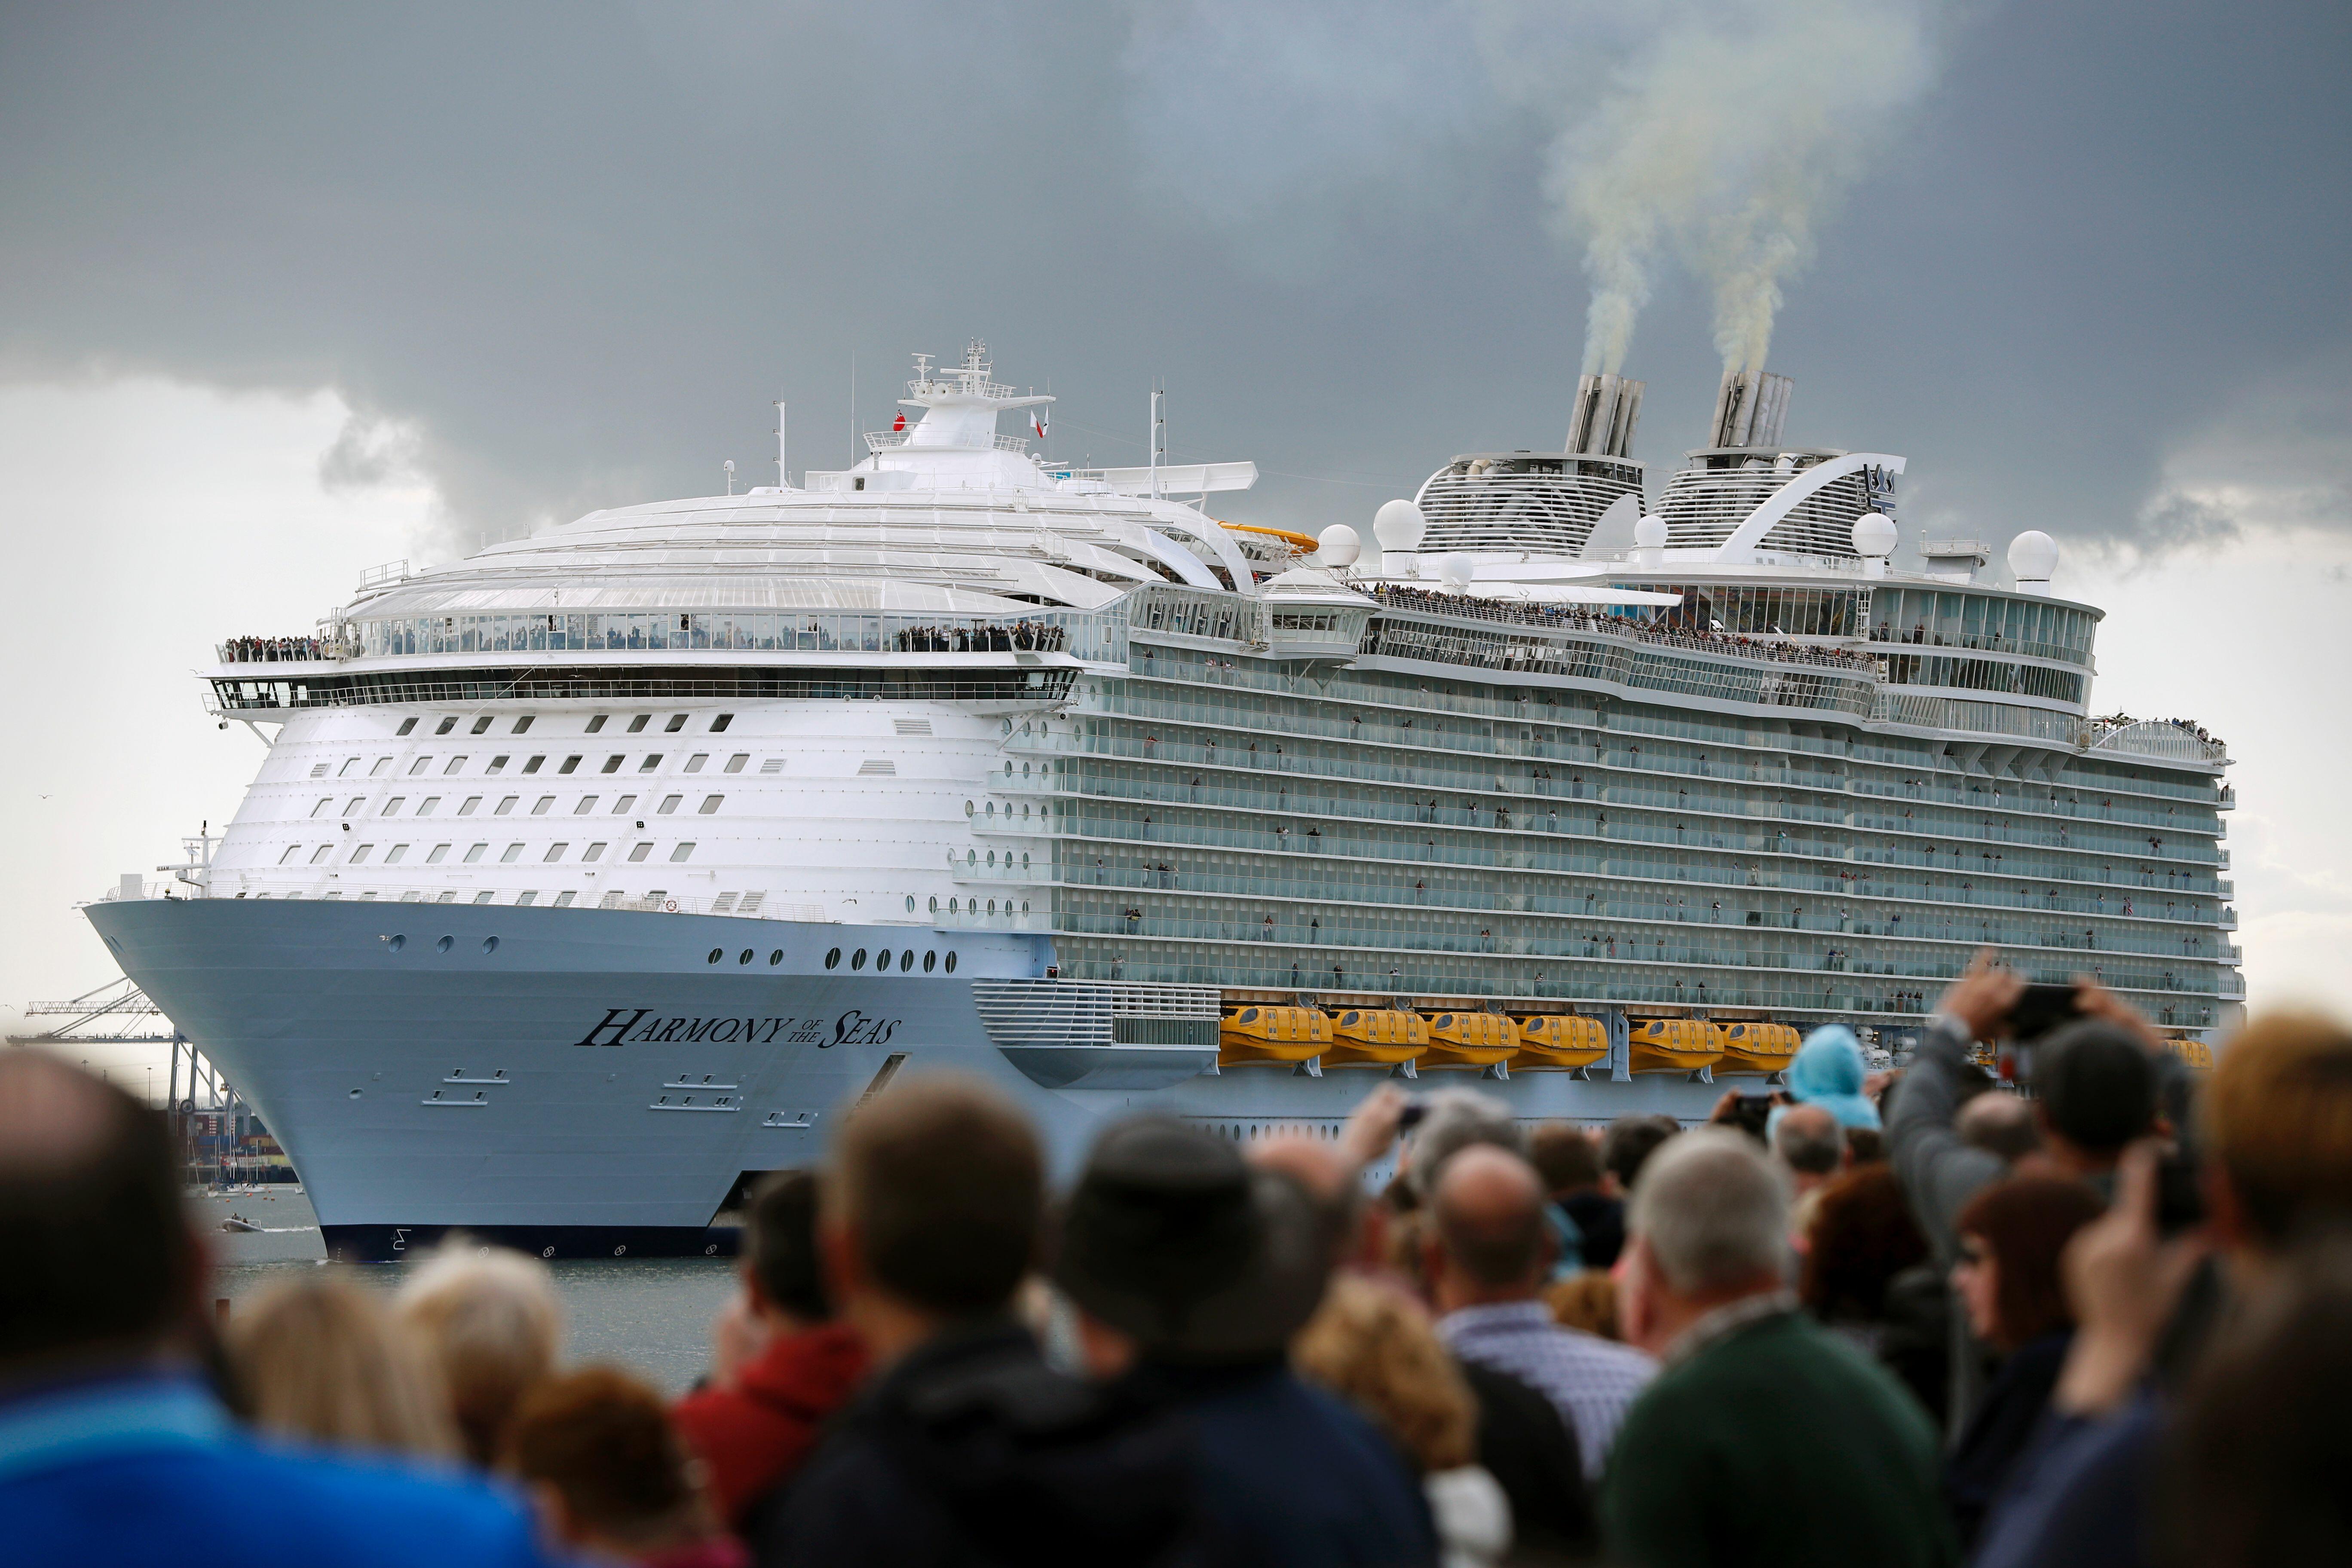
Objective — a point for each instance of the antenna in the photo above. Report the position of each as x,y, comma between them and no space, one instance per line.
1158,443
853,409
729,466
781,483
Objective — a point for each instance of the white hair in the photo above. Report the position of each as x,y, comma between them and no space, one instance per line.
1457,1118
1714,1210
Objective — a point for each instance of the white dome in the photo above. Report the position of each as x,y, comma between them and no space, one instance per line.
1338,546
1399,525
1874,534
1650,534
2033,556
1456,570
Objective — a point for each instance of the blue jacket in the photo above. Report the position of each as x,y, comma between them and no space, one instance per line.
145,1468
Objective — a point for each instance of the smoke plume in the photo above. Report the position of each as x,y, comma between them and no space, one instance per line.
1727,131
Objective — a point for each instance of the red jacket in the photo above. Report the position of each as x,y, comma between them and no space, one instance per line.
754,1434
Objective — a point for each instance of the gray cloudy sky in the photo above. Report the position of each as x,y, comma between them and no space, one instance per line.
568,253
288,291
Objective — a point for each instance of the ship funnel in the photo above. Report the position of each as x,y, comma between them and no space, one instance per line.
1749,408
1607,408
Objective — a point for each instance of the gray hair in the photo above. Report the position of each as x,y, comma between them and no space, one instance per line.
1458,1118
1808,1139
1714,1211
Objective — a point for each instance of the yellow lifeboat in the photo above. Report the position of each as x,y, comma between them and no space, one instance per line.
1674,1044
1470,1039
2196,1054
1561,1041
1757,1048
1376,1037
1272,1034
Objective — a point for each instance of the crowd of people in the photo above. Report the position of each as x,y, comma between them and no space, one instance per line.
272,651
1859,1320
1024,636
1669,630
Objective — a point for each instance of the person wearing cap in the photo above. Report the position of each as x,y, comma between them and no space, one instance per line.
1189,1272
1829,1072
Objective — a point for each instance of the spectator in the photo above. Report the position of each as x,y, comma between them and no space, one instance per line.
2255,1472
1811,1144
1586,1302
611,1477
2093,1105
2000,1124
965,1446
1764,1441
2278,1128
1457,1118
755,1422
1486,1264
488,1319
1829,1072
2012,1235
1374,1348
1864,1146
1191,1273
322,1361
1867,1277
117,1452
1626,1148
1568,1158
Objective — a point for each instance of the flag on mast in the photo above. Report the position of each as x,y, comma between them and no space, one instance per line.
900,422
1037,422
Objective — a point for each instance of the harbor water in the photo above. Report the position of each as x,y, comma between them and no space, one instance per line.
650,1315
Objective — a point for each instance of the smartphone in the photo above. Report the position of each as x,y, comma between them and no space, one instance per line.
2180,1197
1752,1113
2041,1008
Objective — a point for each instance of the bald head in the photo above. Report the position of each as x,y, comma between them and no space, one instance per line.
1809,1141
1489,1209
99,1258
2000,1124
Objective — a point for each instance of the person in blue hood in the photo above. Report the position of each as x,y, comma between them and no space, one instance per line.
1827,1072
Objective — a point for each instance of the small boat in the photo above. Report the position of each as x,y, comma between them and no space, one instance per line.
1272,1034
1376,1037
1471,1040
238,1223
1673,1045
1560,1040
1749,1047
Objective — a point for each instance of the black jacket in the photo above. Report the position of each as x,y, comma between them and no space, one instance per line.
973,1452
1533,1457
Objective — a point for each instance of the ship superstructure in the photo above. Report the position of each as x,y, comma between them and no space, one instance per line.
595,871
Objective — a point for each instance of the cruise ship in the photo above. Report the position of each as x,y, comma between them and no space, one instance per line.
589,877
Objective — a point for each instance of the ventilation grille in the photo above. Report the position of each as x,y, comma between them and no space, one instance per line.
913,726
772,765
750,904
1514,503
876,766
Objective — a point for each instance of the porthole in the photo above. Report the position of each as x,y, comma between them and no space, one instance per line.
355,1094
746,958
445,944
490,944
547,1252
931,961
832,960
951,963
954,907
910,903
1008,906
906,960
715,954
857,959
778,957
397,942
882,962
991,906
935,904
966,808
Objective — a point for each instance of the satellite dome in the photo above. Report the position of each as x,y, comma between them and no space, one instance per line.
1650,534
1338,546
1399,525
1456,570
2033,556
1874,534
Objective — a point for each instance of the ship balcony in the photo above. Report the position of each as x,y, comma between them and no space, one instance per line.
286,650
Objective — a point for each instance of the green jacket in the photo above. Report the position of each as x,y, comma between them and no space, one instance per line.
1778,1444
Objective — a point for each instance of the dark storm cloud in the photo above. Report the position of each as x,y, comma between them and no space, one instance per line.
564,256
